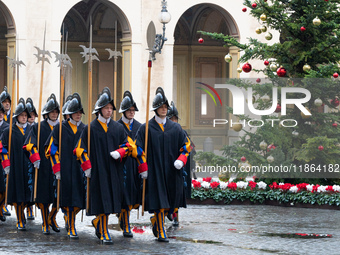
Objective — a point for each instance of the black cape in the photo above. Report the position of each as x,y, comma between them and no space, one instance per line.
106,183
18,189
2,173
132,180
164,185
72,187
45,188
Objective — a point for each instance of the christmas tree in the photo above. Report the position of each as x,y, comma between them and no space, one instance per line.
306,56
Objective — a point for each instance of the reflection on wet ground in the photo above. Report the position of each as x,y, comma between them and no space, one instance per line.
203,230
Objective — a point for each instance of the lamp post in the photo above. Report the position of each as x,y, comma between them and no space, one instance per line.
164,18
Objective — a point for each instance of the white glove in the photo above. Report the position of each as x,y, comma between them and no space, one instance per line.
7,169
179,164
88,173
144,175
36,164
57,175
115,154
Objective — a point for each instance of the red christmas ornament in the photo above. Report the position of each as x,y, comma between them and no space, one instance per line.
278,108
271,147
334,125
320,148
200,40
303,29
246,67
244,9
335,75
258,80
335,102
243,158
253,5
281,72
266,62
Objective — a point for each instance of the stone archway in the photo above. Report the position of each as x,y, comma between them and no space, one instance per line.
193,60
103,15
7,44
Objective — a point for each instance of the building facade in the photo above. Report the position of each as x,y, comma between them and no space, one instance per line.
182,63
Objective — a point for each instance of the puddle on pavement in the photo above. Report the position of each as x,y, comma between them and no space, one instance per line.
298,235
194,240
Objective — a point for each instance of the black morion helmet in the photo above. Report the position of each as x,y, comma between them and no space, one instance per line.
74,105
4,95
21,107
103,100
30,106
172,111
159,99
68,99
127,102
51,105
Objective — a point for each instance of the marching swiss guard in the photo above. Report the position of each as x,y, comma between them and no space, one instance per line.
66,167
132,181
45,184
108,141
168,148
16,166
3,126
30,121
173,116
5,100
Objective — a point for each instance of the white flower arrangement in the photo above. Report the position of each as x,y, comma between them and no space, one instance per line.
262,185
294,189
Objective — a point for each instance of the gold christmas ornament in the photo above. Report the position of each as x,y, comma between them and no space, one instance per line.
316,21
270,159
318,102
265,98
263,145
258,30
263,29
268,36
273,67
263,17
237,127
306,67
239,70
305,116
228,58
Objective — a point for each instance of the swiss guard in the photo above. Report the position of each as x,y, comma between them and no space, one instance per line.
16,167
66,167
168,149
5,100
3,125
173,116
45,184
30,121
132,181
108,146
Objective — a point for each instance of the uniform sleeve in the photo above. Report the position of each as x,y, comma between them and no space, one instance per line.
52,153
137,150
185,150
32,150
3,149
81,151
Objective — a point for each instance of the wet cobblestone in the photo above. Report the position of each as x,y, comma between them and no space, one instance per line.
203,230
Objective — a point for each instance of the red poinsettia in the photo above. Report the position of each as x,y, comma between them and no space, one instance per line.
330,188
232,186
315,188
207,179
274,186
214,185
252,185
285,187
302,186
196,184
